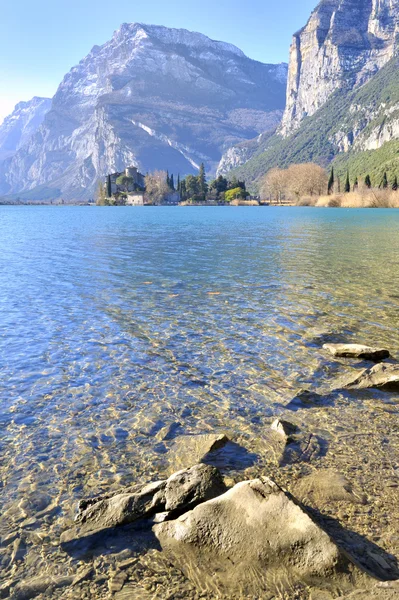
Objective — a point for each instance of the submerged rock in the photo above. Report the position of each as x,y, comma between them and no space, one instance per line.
381,591
382,376
284,428
292,445
39,585
326,486
193,449
253,538
357,351
182,491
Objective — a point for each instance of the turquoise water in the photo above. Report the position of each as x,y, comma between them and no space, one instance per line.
118,322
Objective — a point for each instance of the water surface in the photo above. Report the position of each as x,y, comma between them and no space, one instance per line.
118,322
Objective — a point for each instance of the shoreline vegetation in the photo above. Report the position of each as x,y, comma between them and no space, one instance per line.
309,184
161,188
300,185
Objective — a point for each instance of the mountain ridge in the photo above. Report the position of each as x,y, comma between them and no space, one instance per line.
21,124
339,108
152,97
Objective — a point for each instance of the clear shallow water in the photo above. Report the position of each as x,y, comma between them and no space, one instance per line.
118,322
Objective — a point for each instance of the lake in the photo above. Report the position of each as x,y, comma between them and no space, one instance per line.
118,324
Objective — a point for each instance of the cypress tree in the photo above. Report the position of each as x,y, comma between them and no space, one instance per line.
395,183
178,183
109,187
367,181
183,191
356,184
384,182
331,181
347,184
203,188
172,182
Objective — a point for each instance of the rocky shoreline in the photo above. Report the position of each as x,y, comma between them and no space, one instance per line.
285,532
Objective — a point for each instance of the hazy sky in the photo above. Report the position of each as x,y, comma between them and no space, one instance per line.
40,40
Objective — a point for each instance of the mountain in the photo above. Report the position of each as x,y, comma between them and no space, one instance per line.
152,97
23,122
343,45
342,93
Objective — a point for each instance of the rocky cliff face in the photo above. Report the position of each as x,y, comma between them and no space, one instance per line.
152,97
344,44
23,122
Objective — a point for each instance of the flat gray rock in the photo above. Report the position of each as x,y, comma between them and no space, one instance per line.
357,351
182,491
382,376
253,538
186,489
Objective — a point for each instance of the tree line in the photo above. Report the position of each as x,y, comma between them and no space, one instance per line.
296,181
334,184
194,188
309,179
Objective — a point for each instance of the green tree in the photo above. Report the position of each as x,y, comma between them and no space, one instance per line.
235,193
356,184
167,179
395,183
125,182
192,186
172,182
347,184
109,187
178,183
183,191
384,182
367,181
331,181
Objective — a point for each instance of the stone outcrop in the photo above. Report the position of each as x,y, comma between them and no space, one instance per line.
382,376
357,351
344,43
253,538
151,97
182,491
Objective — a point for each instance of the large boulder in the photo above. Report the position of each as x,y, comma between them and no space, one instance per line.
253,538
357,351
182,491
382,376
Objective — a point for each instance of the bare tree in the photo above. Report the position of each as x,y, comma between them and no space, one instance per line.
274,185
307,179
156,187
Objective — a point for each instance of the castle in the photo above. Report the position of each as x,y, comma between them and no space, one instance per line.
133,181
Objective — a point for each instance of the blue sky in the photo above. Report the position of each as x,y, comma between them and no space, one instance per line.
40,40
